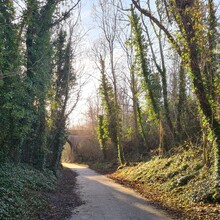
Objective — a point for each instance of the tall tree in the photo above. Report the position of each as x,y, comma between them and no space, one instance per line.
107,20
151,80
133,84
160,62
39,50
65,78
110,121
191,20
11,88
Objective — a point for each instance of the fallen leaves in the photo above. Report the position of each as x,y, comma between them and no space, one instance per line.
177,207
64,199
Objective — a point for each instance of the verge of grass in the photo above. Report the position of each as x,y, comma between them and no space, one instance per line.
179,183
22,191
103,167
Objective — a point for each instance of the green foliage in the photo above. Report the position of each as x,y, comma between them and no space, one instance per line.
102,134
185,179
8,41
182,171
28,121
11,92
63,80
151,80
38,76
21,191
112,119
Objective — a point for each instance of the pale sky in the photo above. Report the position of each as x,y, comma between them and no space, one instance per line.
88,90
91,73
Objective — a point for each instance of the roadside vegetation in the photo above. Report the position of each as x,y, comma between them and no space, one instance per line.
178,183
23,191
30,194
37,78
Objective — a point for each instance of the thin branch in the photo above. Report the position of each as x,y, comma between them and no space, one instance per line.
158,23
66,14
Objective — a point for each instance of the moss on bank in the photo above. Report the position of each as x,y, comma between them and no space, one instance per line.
180,183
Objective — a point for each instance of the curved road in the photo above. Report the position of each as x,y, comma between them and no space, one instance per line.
106,200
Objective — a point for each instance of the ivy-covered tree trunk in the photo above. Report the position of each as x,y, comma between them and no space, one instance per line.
135,109
205,98
181,102
65,78
151,84
102,134
38,45
141,124
10,87
111,111
57,143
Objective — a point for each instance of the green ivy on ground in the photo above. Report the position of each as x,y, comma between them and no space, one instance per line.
179,183
22,191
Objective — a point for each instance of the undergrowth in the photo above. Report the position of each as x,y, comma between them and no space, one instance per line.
183,172
22,191
179,182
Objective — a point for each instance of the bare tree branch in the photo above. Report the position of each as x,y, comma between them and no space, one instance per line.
158,23
66,14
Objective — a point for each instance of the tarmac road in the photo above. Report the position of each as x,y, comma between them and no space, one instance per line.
106,200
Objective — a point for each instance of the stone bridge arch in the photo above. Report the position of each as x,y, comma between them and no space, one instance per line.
75,138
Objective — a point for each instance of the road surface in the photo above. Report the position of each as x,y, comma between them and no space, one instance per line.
106,200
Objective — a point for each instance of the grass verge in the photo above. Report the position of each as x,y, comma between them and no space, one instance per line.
179,184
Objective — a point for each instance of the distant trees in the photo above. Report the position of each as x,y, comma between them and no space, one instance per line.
36,75
107,15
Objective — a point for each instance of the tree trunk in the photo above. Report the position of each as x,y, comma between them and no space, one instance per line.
135,109
181,102
207,108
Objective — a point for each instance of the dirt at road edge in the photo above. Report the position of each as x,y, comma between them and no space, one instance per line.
64,199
